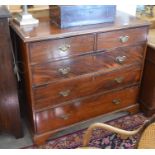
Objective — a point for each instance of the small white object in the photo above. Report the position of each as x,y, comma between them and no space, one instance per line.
25,18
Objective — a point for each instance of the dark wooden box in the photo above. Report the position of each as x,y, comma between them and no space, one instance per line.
78,15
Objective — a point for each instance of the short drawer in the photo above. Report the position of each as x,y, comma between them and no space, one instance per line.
81,110
59,92
48,50
120,38
88,64
118,58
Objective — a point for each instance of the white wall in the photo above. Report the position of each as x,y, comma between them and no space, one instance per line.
130,9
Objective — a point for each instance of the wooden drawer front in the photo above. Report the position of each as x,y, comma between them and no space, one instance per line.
55,49
59,92
81,110
69,68
121,38
118,58
62,69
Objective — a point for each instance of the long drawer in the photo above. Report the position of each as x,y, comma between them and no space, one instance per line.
57,49
83,109
70,68
59,92
119,38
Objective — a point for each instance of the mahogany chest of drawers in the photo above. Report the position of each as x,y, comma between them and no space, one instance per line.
75,74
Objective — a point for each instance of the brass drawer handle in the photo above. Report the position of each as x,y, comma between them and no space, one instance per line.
65,116
124,39
121,59
116,101
64,48
65,93
119,79
64,71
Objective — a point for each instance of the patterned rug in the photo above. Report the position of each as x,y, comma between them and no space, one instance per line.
100,138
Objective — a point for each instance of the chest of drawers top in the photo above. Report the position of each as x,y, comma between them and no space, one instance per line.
45,30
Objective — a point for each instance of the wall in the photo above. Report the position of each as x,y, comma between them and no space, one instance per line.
130,9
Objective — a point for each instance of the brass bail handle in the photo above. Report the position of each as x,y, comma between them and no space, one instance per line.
64,48
124,39
65,116
119,79
121,59
116,101
65,93
64,71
